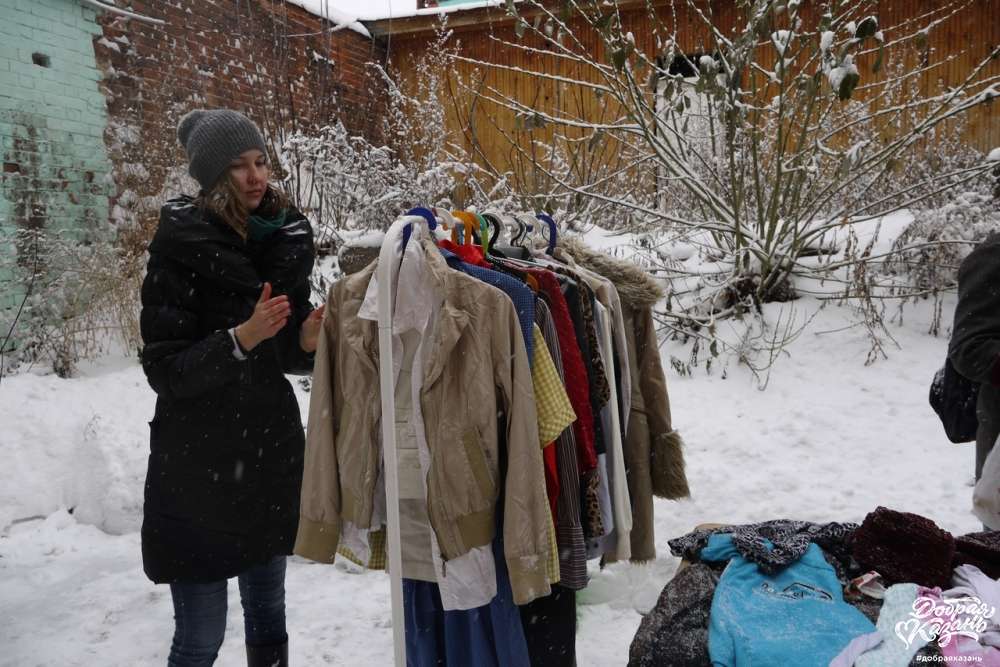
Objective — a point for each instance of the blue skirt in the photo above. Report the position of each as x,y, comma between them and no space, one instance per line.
487,636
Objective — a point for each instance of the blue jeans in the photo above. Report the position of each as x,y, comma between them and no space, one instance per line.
200,614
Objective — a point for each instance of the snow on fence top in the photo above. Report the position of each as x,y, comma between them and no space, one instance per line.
377,10
340,18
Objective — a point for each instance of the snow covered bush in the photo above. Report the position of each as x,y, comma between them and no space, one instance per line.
81,299
933,246
931,169
768,140
349,182
546,177
83,288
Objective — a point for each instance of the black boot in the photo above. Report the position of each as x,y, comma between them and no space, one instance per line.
275,655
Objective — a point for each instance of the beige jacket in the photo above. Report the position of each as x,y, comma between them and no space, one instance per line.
477,363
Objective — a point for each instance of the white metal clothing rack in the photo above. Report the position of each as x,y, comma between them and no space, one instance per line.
386,293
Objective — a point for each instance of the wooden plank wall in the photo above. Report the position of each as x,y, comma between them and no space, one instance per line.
481,126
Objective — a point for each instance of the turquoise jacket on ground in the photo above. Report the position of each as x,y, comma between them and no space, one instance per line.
795,617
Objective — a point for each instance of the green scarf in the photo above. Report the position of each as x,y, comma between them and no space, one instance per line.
259,228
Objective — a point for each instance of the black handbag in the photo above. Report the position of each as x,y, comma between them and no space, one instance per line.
953,397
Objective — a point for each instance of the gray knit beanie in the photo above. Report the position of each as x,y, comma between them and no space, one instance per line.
213,138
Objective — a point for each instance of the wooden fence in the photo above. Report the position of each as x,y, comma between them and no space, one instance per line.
490,132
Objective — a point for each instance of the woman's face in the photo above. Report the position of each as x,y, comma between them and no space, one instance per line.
249,173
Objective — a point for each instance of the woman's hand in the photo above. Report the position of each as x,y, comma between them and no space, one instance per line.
269,315
309,334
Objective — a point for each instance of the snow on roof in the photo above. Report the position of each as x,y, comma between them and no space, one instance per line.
377,10
334,11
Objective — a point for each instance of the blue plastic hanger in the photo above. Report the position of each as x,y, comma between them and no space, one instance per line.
426,214
552,231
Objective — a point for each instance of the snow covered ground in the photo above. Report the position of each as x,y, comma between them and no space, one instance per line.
830,439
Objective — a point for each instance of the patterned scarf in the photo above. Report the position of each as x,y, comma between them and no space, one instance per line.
790,540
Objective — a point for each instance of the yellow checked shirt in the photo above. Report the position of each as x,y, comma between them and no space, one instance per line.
376,543
555,414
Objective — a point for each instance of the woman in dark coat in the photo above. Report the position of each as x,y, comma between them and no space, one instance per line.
974,348
225,314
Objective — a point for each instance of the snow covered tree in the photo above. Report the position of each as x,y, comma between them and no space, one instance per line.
768,143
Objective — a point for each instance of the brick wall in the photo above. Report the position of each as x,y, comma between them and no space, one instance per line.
269,59
88,136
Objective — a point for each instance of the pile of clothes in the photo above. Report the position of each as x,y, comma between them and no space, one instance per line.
895,591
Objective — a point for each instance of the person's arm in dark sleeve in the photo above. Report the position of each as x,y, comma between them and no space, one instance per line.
295,360
178,363
975,339
292,255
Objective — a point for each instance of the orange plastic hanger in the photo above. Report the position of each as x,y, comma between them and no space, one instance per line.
470,221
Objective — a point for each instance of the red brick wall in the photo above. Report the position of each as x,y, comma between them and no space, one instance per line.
272,60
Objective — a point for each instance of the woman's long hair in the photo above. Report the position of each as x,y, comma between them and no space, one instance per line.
223,200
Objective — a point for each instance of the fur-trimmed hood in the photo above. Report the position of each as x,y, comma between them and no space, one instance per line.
636,287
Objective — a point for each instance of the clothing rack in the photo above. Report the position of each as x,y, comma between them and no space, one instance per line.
401,231
579,332
398,232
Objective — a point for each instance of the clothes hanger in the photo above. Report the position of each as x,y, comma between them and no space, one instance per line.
445,216
448,222
495,225
527,228
552,231
521,254
516,228
470,222
423,213
484,234
480,233
442,222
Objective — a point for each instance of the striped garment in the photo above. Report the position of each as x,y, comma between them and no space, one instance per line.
569,531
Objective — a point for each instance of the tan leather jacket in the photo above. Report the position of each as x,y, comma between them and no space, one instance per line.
477,363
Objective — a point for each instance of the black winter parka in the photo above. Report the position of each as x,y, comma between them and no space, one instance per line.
226,440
